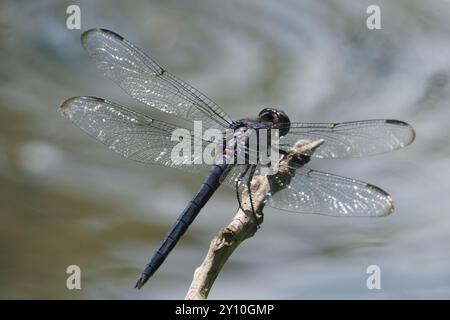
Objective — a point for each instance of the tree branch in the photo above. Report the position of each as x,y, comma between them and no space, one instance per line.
243,225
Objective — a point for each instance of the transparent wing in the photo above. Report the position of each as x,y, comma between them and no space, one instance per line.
352,139
311,191
142,78
235,173
131,134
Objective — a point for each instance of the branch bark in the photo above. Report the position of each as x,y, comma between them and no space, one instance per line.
243,225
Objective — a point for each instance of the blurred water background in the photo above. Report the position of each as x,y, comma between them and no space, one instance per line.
66,199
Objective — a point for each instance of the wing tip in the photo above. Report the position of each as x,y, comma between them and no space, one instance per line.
65,107
412,135
389,201
391,206
412,132
87,34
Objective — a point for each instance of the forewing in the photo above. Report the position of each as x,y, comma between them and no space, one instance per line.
352,139
143,79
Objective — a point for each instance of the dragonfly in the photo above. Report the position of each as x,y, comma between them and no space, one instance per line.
142,138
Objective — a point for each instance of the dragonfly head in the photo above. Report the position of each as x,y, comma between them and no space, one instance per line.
276,119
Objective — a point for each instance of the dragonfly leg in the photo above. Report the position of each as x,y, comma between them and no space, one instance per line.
249,182
238,180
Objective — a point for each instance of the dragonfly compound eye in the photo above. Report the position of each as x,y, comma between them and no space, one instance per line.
277,118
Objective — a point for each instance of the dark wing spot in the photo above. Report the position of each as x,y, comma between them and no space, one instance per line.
112,33
87,34
396,122
94,98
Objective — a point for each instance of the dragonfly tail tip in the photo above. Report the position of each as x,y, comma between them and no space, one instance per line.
140,283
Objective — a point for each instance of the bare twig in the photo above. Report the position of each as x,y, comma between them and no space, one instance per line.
243,225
